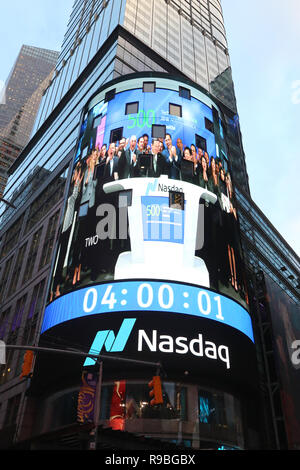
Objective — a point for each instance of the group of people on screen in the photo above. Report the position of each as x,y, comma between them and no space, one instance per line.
137,157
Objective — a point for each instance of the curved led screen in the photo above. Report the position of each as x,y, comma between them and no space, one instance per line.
150,227
127,296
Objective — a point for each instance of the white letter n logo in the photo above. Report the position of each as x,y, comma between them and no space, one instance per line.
111,342
151,186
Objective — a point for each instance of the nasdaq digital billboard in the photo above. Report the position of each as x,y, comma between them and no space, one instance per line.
150,232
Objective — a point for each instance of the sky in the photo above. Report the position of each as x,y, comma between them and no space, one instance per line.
263,40
39,23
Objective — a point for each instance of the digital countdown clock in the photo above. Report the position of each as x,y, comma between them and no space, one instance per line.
128,296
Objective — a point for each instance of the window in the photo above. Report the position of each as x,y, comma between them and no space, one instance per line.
212,408
46,200
12,410
174,406
17,269
116,135
215,114
4,278
49,240
97,121
18,313
200,142
4,322
36,300
32,255
158,131
175,110
184,93
132,108
11,236
36,303
149,87
109,95
209,125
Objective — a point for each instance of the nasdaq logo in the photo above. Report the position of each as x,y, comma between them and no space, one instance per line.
156,186
111,342
151,187
154,342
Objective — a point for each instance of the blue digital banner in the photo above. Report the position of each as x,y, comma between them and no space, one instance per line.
127,296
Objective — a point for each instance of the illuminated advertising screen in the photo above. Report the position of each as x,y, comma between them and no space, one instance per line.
148,262
285,319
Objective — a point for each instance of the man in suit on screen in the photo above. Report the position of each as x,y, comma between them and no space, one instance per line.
128,167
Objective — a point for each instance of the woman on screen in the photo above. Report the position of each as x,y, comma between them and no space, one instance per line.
203,177
188,167
200,154
230,194
232,236
222,183
213,177
85,214
194,152
66,229
206,156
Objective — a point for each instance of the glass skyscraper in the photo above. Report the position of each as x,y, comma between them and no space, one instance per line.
107,41
21,98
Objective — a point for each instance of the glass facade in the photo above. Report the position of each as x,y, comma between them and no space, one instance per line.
90,24
25,256
189,34
165,28
192,416
23,92
265,248
31,69
56,143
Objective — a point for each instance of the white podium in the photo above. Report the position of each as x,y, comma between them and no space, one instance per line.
172,256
